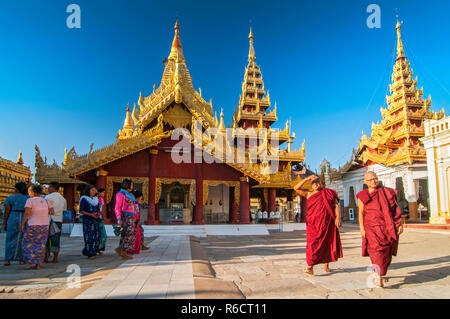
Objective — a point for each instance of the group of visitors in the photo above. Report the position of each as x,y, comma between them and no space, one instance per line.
379,219
33,223
127,209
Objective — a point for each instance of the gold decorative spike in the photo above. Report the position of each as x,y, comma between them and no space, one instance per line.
221,124
20,159
65,157
400,50
177,50
251,52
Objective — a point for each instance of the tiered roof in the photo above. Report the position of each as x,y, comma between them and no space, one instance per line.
396,139
176,104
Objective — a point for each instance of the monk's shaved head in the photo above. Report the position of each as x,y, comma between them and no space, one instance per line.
370,174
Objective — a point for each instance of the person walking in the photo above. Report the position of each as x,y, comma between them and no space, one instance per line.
35,226
59,205
89,208
12,223
124,210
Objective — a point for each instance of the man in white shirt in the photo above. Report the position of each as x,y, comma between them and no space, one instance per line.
59,204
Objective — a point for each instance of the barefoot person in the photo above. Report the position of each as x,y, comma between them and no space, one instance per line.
124,210
59,205
90,210
380,222
12,223
323,219
35,227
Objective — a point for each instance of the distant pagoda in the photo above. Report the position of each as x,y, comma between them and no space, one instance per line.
396,139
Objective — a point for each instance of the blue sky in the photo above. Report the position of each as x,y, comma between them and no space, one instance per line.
324,67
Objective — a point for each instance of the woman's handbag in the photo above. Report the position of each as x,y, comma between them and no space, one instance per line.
53,229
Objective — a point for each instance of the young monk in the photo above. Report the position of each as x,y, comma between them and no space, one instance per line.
380,223
323,219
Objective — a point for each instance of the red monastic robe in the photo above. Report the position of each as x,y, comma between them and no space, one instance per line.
323,243
382,218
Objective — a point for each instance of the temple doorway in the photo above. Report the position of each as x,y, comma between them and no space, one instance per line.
174,206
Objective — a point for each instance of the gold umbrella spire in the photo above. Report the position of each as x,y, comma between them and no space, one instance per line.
400,50
176,49
251,52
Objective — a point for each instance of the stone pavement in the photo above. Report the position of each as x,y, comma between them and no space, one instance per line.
272,266
164,272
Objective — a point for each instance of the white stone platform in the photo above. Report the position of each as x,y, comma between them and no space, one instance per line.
202,230
163,273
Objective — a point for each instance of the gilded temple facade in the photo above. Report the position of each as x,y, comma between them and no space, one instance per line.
12,173
218,187
437,146
394,150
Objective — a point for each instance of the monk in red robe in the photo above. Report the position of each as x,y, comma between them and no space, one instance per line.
380,222
323,219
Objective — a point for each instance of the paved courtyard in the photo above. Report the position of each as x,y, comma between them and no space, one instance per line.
238,267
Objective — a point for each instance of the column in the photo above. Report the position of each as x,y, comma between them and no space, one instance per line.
303,209
69,195
232,208
272,200
244,207
198,211
263,201
152,219
101,182
290,212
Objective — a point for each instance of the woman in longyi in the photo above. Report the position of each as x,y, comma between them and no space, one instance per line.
323,219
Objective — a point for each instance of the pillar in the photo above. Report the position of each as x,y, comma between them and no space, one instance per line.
233,208
198,211
411,197
272,200
152,219
244,207
263,201
69,195
290,211
101,182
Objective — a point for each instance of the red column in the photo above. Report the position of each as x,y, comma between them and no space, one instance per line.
244,207
151,217
263,201
233,208
69,195
198,212
101,183
272,200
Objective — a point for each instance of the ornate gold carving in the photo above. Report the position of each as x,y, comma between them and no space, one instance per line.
235,184
160,181
177,117
102,172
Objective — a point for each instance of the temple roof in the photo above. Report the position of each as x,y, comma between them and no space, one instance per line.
174,104
396,139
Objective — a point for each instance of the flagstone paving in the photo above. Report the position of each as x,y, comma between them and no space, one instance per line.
164,272
421,269
241,267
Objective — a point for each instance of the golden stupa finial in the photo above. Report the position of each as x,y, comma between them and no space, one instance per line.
66,157
176,49
20,159
251,52
221,124
128,124
400,50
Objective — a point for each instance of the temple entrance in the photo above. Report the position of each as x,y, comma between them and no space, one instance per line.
174,206
216,208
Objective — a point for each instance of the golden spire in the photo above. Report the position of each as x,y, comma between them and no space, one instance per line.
176,50
221,124
400,51
20,159
251,52
65,157
128,124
